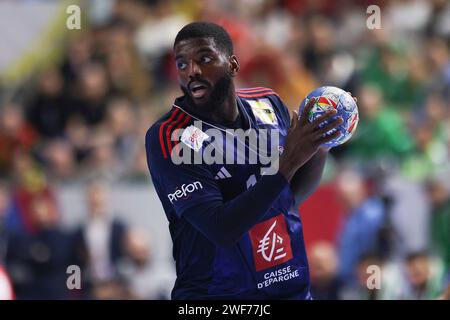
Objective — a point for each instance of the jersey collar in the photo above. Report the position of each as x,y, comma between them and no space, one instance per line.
181,104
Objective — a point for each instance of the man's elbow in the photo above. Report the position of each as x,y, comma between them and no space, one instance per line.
301,197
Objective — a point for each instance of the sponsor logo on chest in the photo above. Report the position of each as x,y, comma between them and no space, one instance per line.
271,243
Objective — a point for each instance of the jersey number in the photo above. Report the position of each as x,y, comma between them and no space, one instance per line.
251,181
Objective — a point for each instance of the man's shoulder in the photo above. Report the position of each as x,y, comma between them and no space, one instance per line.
255,92
158,138
258,95
266,99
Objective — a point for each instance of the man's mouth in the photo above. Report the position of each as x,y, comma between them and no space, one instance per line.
198,89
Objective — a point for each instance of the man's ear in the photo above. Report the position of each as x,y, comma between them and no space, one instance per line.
234,65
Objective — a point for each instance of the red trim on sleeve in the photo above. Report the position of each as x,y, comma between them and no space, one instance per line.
178,126
256,89
161,128
257,95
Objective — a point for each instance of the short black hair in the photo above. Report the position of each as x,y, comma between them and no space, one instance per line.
370,257
413,255
206,30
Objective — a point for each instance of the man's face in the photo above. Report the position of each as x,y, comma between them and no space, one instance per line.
204,72
418,270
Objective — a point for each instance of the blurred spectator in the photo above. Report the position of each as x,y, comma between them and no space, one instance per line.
409,214
438,54
126,70
79,52
364,219
79,136
100,242
60,161
422,278
322,56
4,197
91,95
48,111
439,198
145,282
408,16
435,110
323,262
37,262
264,68
284,74
100,11
439,23
360,289
102,160
137,171
317,54
382,132
273,23
121,123
386,67
429,155
15,135
154,36
30,184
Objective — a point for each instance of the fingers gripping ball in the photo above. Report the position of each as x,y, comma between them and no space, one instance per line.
332,97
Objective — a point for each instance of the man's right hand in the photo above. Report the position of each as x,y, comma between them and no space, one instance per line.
304,139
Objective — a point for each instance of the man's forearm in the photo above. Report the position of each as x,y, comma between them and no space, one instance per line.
307,178
225,223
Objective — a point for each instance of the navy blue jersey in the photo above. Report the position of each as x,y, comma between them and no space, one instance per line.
236,232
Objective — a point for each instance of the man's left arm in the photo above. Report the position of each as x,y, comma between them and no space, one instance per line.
307,178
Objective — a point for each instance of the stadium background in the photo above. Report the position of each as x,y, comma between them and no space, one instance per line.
75,106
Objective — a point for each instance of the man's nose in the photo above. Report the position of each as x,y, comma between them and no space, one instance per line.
194,70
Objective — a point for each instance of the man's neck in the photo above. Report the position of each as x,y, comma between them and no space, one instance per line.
225,113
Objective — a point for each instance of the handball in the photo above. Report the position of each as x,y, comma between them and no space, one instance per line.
333,97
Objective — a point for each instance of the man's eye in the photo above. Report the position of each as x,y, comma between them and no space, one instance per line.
206,59
181,65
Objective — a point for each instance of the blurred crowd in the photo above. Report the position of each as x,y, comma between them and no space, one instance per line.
82,120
